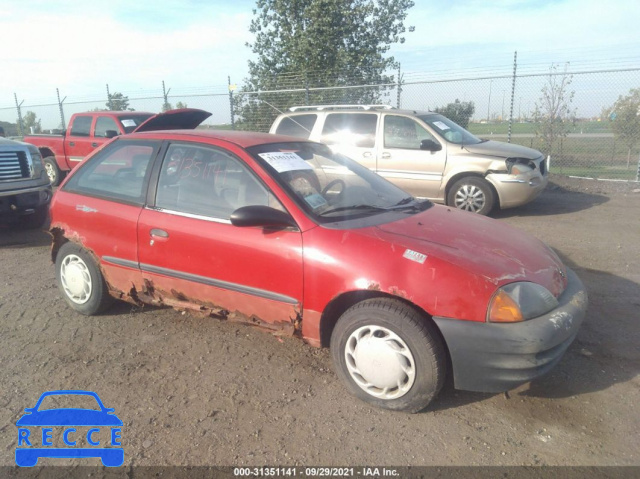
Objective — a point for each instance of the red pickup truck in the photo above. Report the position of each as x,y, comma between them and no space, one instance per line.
86,132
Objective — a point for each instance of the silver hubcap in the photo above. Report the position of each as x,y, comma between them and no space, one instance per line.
470,198
76,279
380,362
51,173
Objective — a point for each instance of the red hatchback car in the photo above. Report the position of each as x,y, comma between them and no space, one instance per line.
287,235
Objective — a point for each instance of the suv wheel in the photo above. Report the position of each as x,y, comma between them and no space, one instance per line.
472,194
53,172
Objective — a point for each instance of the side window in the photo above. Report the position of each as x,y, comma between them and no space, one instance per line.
81,126
403,132
118,172
297,125
209,182
355,129
104,123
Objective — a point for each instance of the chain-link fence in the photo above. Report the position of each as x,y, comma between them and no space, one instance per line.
585,136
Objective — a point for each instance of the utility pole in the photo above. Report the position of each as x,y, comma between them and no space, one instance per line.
20,123
489,103
231,88
63,124
165,94
109,104
513,93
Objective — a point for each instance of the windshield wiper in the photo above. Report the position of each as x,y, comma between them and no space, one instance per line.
354,207
411,203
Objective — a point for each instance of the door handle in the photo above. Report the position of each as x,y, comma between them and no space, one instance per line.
94,144
367,154
158,233
386,155
72,143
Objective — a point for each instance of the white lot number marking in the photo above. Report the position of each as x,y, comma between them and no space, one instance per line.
285,161
415,256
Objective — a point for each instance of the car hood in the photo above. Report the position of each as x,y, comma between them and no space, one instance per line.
483,246
182,119
69,417
503,150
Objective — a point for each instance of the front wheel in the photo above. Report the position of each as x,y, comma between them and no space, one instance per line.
389,355
81,281
472,194
53,171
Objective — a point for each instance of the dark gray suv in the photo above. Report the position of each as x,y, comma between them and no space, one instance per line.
25,190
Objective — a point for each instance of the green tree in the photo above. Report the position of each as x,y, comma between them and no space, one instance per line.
166,106
180,105
458,111
30,120
302,44
625,117
553,112
118,102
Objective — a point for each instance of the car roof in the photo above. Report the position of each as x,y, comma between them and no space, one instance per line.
244,139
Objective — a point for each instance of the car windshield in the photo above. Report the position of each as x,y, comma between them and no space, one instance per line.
329,186
130,123
450,131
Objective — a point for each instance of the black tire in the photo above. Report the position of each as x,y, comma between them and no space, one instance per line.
472,194
76,262
53,171
37,219
381,321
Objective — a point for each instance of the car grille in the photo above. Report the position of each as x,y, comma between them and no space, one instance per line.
13,165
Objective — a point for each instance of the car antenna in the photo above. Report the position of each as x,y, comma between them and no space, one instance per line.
290,118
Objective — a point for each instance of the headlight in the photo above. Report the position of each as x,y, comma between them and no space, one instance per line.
36,161
518,166
519,302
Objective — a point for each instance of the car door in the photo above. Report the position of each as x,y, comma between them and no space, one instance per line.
101,205
401,160
353,135
191,253
78,140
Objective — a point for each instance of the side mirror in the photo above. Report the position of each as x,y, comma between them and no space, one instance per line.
110,134
430,145
256,215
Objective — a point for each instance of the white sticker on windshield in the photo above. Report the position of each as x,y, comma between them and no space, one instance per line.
440,125
285,161
127,123
315,201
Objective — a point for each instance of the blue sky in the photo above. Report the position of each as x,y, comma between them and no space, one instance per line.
79,46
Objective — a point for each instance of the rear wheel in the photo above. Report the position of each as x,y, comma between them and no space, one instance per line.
389,355
53,172
81,281
472,194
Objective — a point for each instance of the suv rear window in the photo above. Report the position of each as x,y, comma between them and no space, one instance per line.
358,129
298,125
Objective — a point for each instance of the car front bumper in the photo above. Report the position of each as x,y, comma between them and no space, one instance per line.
18,202
494,357
517,190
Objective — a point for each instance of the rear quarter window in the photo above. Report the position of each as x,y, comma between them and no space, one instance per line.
356,129
119,172
297,125
81,126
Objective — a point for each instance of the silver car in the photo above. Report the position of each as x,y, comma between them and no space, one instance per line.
424,153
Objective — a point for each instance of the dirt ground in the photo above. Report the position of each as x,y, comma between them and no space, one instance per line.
195,391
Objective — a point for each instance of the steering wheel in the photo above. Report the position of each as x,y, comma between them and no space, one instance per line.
331,184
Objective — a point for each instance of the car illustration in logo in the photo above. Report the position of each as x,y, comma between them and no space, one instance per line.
31,446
